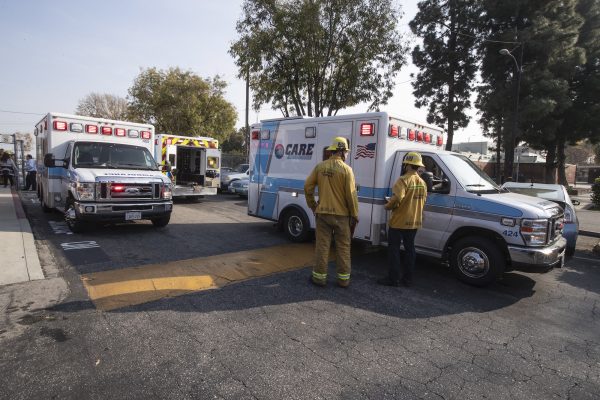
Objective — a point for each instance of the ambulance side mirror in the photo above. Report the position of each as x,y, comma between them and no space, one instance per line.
51,162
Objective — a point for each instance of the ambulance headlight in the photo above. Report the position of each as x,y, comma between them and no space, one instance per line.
167,193
84,191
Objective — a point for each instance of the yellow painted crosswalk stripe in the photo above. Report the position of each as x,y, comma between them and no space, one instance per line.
136,285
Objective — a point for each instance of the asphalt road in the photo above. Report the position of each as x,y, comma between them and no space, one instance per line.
528,336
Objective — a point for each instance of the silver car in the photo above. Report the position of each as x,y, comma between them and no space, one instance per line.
558,194
239,187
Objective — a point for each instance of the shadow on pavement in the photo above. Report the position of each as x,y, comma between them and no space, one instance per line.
436,293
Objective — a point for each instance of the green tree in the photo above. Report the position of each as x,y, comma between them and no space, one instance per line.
103,106
446,59
316,57
503,23
582,119
552,42
182,103
236,143
543,36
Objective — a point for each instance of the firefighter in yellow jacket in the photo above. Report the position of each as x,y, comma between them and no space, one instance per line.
336,212
407,202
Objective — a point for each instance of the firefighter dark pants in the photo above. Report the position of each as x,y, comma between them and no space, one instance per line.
328,227
401,268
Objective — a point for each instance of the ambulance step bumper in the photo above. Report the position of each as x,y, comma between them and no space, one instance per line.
117,212
184,191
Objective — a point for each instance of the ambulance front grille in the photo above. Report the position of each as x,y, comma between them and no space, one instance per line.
115,191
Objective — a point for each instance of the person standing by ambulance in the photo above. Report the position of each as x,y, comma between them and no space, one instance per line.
407,202
336,212
31,169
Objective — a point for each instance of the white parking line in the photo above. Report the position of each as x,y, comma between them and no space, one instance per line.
60,227
79,245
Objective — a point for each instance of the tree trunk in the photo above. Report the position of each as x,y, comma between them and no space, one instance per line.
452,72
560,161
550,167
499,173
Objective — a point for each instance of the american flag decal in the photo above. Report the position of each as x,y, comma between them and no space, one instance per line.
367,151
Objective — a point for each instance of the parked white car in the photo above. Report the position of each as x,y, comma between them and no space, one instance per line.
559,195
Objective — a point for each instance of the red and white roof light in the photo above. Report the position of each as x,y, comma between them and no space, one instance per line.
105,130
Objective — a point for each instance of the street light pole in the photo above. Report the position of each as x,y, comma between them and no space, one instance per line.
509,153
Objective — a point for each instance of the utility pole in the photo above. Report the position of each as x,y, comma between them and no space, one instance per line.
247,132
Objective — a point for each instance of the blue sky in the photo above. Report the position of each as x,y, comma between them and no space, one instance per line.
53,53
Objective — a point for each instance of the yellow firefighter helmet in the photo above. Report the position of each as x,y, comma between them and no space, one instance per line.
339,143
413,158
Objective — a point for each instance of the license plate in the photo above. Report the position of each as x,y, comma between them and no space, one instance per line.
131,215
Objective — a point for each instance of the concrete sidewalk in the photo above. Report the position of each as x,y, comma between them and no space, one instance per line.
18,254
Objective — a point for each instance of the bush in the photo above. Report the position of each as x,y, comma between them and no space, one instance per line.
596,193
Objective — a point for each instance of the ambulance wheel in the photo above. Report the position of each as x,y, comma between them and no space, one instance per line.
476,260
75,224
161,222
296,226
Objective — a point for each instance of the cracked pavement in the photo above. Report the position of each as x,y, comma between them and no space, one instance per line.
529,336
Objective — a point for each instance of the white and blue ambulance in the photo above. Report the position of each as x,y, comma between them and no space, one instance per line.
100,170
469,221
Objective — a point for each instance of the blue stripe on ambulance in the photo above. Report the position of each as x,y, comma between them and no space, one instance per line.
272,186
57,172
486,206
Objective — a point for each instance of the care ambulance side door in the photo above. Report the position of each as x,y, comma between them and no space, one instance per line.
438,207
328,130
362,159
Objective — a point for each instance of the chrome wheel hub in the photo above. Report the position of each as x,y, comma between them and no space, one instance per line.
473,262
295,225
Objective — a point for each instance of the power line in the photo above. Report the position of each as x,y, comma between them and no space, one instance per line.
20,112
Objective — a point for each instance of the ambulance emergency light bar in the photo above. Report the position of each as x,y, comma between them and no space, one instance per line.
58,125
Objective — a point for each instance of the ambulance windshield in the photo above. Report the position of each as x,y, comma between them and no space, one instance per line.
469,175
112,155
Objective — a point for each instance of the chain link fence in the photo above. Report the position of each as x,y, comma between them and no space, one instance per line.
233,160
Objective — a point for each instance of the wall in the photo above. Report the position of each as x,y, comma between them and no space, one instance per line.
528,171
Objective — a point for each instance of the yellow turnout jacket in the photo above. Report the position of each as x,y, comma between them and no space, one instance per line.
407,202
337,190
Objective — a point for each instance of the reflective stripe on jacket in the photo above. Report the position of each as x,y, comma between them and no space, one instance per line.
337,190
407,202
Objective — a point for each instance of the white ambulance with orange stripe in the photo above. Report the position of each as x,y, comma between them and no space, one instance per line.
469,222
100,170
192,163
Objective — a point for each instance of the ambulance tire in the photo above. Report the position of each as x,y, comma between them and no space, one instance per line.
161,222
296,226
75,224
476,260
